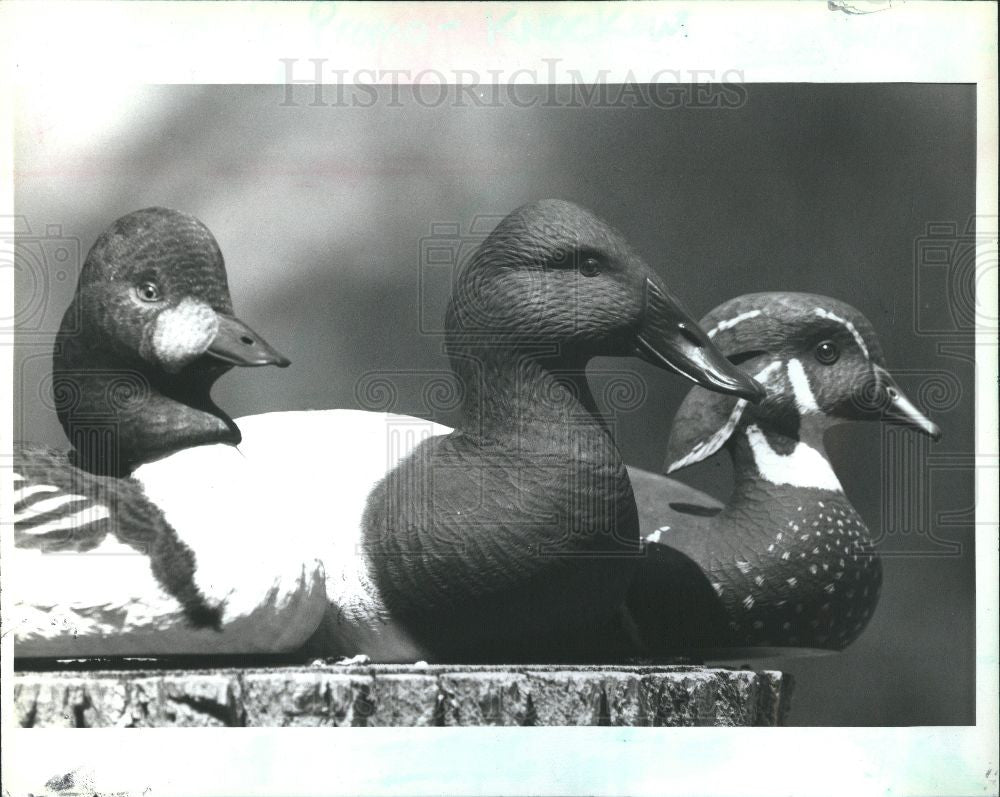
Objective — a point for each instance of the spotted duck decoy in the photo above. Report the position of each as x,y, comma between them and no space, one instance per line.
786,565
98,570
492,541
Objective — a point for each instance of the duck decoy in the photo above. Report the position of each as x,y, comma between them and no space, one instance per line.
148,332
786,565
516,533
485,542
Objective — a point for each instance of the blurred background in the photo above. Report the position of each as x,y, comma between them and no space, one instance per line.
336,222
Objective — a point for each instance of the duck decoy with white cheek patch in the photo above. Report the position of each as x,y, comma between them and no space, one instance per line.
787,564
149,330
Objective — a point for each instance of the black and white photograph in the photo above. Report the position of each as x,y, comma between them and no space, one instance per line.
532,398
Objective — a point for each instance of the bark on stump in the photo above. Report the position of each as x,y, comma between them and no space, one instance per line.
403,695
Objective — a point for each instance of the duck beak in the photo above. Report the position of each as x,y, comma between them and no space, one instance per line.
898,409
235,343
670,338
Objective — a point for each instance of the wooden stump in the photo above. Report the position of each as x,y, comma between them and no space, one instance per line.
402,695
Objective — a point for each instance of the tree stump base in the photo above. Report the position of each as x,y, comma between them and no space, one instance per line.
402,695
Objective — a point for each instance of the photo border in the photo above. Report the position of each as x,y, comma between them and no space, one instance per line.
810,41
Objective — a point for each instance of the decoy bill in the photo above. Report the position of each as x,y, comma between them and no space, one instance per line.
787,563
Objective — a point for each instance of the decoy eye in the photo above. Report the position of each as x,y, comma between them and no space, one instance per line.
148,291
827,352
590,267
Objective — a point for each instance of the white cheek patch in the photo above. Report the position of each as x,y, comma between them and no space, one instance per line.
803,467
183,333
804,398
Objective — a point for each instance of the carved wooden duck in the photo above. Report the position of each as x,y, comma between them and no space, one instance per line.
149,331
787,562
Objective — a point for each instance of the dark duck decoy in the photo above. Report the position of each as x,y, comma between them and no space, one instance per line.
492,541
503,539
149,331
786,565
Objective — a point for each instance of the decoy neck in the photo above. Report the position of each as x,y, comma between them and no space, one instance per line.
149,331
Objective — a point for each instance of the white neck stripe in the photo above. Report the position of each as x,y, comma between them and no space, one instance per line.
803,467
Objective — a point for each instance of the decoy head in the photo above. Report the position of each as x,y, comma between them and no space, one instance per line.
554,276
152,316
820,361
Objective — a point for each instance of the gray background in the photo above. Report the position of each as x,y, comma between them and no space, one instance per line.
322,213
